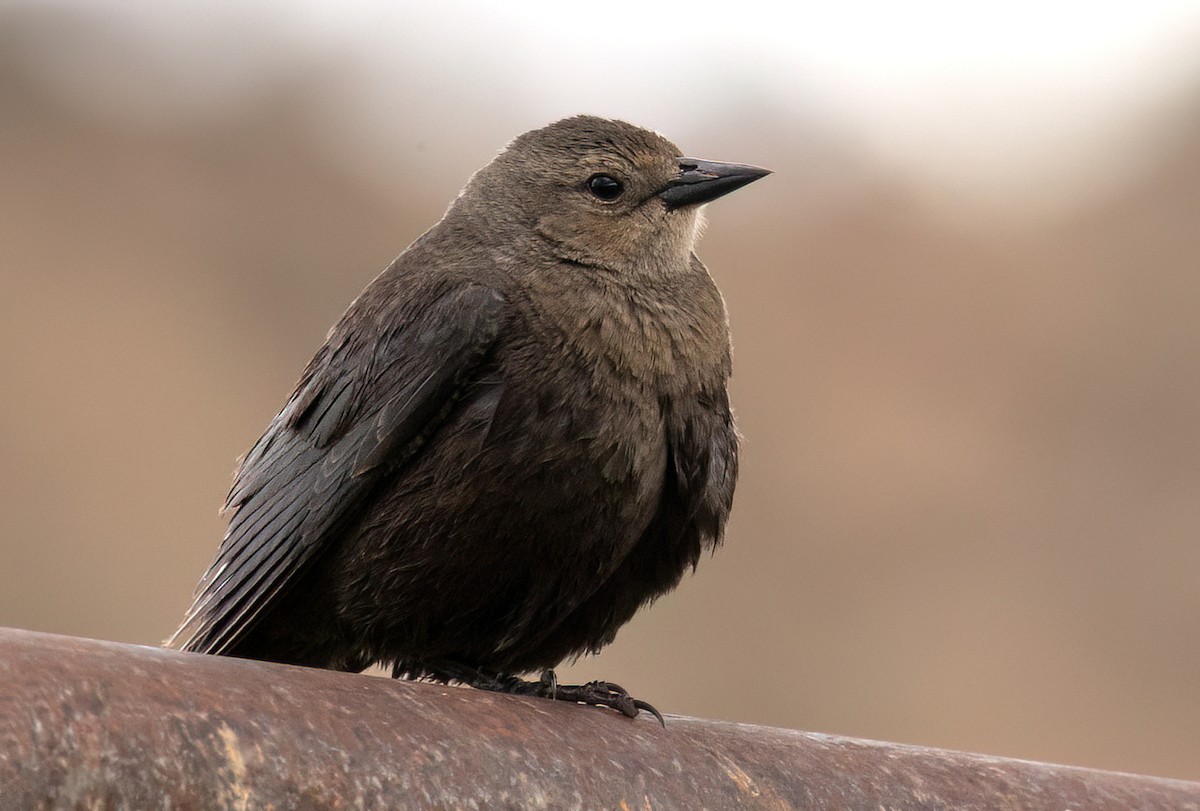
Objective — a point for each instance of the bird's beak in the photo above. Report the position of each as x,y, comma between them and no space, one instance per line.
704,181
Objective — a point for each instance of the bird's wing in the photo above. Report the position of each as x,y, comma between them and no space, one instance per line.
361,409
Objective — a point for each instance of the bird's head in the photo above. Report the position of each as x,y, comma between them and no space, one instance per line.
601,192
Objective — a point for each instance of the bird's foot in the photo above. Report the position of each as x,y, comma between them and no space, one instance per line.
594,693
597,694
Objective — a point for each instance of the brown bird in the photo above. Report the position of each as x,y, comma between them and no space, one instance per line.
516,436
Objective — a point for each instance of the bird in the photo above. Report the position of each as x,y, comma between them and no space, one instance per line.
515,437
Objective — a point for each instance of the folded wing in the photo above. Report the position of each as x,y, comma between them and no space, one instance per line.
363,407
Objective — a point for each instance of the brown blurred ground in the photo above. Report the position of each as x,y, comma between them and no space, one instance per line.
970,503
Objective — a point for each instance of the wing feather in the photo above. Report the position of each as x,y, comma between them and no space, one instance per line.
362,408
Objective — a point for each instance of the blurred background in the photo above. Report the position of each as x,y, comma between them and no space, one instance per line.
966,312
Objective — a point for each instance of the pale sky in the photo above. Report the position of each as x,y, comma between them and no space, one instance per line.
1003,102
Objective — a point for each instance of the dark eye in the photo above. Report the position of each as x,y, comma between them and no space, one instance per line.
605,187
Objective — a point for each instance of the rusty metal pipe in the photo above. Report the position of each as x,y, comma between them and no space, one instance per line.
87,724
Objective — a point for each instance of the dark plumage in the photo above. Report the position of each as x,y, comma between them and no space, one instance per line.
517,435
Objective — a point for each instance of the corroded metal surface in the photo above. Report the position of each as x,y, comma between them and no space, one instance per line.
86,724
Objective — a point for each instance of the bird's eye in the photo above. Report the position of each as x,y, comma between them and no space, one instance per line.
605,187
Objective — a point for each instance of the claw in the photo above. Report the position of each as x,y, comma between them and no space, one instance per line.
648,707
